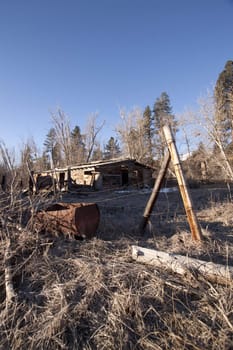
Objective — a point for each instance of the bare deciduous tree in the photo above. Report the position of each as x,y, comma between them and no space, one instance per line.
201,126
92,131
61,124
207,120
8,158
8,161
131,132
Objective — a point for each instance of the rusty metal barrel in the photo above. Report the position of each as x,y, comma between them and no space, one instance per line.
79,220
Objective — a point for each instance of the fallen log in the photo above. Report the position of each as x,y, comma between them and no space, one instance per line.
184,264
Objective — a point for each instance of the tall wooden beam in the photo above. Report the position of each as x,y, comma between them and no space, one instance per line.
191,216
154,193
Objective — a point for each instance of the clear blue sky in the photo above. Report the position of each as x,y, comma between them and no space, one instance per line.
97,55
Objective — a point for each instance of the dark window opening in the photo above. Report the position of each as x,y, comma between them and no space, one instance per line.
88,172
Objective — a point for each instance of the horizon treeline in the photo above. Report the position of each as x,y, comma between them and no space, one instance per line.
138,134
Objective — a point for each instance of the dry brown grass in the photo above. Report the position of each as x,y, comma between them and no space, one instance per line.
92,295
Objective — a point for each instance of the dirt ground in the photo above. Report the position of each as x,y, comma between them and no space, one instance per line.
121,212
73,294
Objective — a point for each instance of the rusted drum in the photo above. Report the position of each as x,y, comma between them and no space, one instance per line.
75,219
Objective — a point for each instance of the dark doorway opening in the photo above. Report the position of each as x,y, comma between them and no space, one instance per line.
124,177
61,180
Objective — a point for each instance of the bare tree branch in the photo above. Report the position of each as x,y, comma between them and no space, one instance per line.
92,131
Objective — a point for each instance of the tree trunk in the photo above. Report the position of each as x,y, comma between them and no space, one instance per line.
183,264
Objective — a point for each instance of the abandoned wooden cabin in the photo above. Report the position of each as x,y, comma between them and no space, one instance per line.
96,175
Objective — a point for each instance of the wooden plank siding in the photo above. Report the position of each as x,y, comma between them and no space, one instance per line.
98,175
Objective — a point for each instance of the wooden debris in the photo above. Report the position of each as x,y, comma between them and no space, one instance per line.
154,193
172,155
183,264
191,216
10,293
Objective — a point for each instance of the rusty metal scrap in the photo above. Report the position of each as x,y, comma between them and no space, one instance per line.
79,220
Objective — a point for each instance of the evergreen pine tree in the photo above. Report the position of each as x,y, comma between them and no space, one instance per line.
52,148
224,104
162,115
111,149
148,134
77,145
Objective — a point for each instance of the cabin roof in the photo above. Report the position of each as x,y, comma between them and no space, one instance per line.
98,164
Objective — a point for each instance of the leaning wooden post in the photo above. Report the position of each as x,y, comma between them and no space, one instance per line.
154,193
192,219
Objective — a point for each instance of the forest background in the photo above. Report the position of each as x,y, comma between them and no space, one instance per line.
204,137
